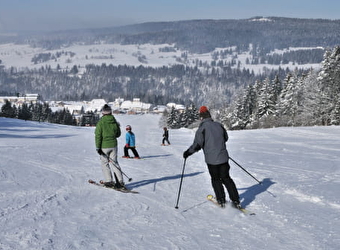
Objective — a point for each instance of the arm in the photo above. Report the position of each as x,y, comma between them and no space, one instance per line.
127,140
98,136
198,143
118,133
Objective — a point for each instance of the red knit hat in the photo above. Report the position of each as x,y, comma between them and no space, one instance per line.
204,112
203,109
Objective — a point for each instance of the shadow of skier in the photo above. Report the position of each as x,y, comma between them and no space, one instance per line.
155,156
154,181
250,193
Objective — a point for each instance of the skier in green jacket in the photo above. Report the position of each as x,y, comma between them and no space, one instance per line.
106,133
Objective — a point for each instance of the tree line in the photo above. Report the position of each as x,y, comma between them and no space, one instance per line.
178,83
181,119
40,112
307,99
297,100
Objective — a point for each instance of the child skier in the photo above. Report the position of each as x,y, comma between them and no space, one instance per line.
130,143
165,136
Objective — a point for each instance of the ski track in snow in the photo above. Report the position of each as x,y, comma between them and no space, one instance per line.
46,202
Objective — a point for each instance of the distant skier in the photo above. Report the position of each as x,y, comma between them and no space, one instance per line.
165,136
130,143
106,133
211,136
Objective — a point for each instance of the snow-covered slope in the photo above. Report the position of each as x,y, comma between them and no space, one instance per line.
46,202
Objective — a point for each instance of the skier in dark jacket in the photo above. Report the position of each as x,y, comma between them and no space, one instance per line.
211,136
106,133
165,136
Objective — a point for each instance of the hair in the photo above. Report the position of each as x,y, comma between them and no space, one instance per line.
205,114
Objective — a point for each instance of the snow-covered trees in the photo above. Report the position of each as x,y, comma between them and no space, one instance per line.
300,100
40,112
7,110
329,78
182,119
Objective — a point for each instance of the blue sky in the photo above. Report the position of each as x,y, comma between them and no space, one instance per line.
69,14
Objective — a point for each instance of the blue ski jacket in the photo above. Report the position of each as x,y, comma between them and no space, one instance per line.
130,139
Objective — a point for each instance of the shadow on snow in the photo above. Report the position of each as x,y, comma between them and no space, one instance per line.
166,178
155,156
250,193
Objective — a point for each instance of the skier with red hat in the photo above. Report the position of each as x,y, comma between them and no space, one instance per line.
211,136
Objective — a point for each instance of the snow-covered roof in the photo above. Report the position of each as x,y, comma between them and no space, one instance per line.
98,101
72,108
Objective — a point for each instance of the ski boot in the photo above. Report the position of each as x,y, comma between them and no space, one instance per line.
236,204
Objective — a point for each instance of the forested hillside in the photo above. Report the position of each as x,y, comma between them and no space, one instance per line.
152,85
259,41
298,100
201,36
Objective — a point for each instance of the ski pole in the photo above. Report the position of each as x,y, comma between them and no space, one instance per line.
180,184
244,169
112,161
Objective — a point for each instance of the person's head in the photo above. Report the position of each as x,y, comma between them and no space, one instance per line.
204,112
106,110
165,128
128,128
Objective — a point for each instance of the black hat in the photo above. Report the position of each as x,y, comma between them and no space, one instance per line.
106,110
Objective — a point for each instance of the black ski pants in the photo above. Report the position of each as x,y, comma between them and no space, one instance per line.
165,139
220,176
134,151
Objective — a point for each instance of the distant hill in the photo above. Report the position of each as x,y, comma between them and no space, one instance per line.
201,36
231,46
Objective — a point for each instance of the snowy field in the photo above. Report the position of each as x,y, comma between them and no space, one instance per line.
47,203
20,56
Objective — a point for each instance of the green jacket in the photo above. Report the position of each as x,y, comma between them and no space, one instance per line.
107,131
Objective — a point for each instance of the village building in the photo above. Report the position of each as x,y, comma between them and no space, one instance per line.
19,100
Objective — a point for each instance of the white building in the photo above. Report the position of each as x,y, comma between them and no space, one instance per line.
27,98
95,104
135,106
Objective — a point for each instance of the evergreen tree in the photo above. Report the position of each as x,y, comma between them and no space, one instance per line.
7,110
250,107
329,78
24,112
183,118
172,118
311,101
46,112
237,117
193,115
68,118
335,114
286,106
266,99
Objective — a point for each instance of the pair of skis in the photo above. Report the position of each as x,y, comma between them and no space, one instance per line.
209,196
243,210
123,190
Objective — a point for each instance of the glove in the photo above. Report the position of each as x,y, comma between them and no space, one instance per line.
186,154
100,151
127,145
